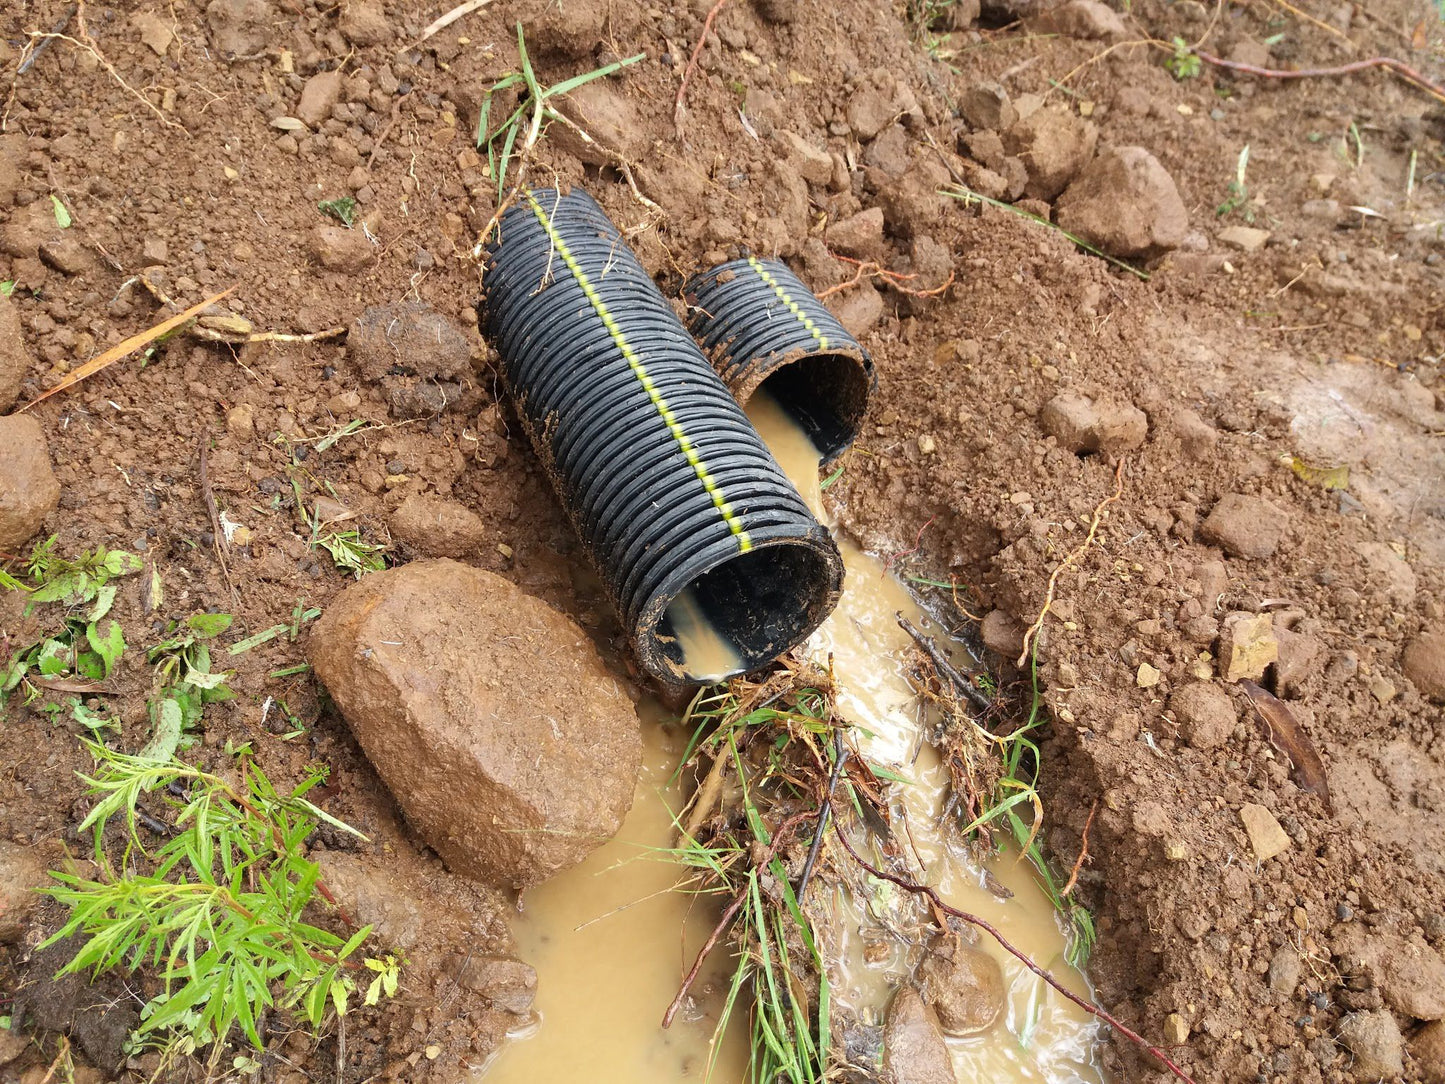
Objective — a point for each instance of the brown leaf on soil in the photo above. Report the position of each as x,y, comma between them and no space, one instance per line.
1286,735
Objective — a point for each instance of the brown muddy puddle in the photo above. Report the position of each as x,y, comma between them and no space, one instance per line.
612,939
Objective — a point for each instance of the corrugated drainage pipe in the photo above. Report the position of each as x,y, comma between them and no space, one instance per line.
763,327
676,498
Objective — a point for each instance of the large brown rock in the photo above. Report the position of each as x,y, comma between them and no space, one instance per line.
15,357
1427,1047
913,1048
1244,526
965,987
1424,663
28,489
490,716
1126,203
1054,146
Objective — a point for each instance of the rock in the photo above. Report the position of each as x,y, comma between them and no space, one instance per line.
21,873
965,988
67,254
155,33
436,527
811,163
860,236
1081,19
490,717
1083,426
408,337
387,895
241,421
870,111
1206,715
860,310
1244,238
154,251
1176,1030
606,114
1126,203
28,489
1424,663
240,27
504,983
16,361
1374,1038
1299,657
911,203
987,106
1266,837
1244,526
337,248
1284,970
1197,438
364,22
1002,634
1427,1047
321,92
1247,646
13,1043
914,1051
1409,973
1055,146
1389,571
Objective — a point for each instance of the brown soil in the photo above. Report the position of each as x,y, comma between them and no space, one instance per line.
1323,344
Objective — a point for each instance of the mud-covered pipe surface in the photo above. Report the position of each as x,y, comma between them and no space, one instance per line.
714,562
762,327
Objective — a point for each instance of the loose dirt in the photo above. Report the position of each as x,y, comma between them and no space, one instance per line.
1264,367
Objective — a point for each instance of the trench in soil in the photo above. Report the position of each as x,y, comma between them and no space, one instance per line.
612,938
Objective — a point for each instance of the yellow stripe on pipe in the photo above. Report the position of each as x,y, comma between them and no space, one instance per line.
793,307
639,370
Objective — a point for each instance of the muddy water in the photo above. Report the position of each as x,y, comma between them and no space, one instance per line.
610,940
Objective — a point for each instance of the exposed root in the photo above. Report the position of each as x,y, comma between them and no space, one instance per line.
1074,554
867,269
1389,63
1073,880
679,107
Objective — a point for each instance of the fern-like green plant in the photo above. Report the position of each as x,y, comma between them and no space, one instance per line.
220,917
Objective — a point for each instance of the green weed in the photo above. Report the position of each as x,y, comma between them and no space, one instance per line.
219,917
184,679
1184,64
350,553
532,112
1237,195
343,209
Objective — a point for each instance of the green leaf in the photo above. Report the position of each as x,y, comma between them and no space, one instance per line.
165,734
7,288
89,718
53,659
240,647
62,216
104,598
209,625
203,680
373,991
343,209
109,646
9,582
122,563
90,666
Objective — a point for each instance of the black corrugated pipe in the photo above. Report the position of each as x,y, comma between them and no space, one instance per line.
762,327
679,502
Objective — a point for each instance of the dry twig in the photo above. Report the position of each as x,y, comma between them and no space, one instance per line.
218,536
1074,555
444,21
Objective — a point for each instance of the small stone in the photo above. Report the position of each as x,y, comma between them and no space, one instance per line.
154,32
1088,19
364,22
869,112
1002,634
154,251
860,236
811,163
1427,1047
1244,238
987,107
1423,663
1284,970
965,987
1389,571
1083,426
926,444
1206,715
1244,526
28,489
1266,837
434,666
1126,203
16,361
1055,146
437,527
321,92
1176,1030
860,310
1374,1038
337,248
504,982
432,1051
241,421
914,1050
1246,646
1382,689
68,255
1148,676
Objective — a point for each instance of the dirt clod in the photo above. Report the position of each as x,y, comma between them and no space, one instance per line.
859,311
1126,203
869,112
1424,663
965,988
16,361
1206,715
321,92
1244,526
859,236
239,27
1244,238
407,337
1054,146
1081,19
987,107
1427,1048
337,248
436,527
914,1051
28,489
21,873
1084,426
1374,1038
364,23
490,717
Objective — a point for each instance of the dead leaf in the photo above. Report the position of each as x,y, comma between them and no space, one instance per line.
1286,735
1326,477
289,124
1419,38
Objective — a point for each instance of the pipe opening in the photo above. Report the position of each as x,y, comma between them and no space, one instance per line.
826,394
745,611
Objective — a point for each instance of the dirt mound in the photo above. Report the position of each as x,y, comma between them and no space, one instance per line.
488,714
